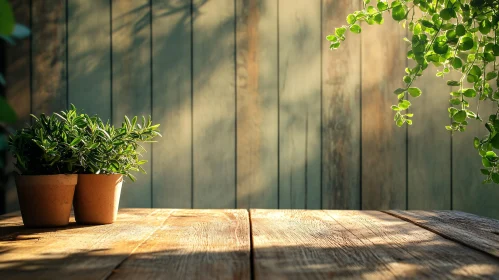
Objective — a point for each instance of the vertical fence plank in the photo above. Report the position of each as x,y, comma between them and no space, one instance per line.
172,159
214,104
257,107
299,103
469,194
429,145
132,83
49,56
17,92
340,111
89,56
383,143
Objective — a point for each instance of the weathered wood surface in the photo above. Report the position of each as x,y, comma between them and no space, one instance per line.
297,244
257,104
383,143
49,77
299,104
193,244
131,91
262,244
340,112
89,56
214,104
172,101
429,146
17,92
474,231
74,252
468,192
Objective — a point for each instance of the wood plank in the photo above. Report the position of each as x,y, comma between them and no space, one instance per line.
194,244
340,111
89,56
429,145
383,143
74,252
172,157
214,104
299,104
49,57
468,192
131,37
257,104
474,231
353,245
17,92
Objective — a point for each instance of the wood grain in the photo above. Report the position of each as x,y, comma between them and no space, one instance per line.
477,232
193,244
383,143
74,252
214,104
314,244
468,192
429,145
340,111
89,56
18,94
172,75
49,75
257,104
131,37
299,104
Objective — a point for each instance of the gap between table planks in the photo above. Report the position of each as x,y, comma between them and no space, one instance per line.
208,244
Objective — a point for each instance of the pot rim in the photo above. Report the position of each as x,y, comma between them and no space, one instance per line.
62,179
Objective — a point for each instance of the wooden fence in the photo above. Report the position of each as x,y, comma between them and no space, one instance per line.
255,110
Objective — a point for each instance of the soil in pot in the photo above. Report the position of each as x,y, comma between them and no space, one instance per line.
45,200
97,198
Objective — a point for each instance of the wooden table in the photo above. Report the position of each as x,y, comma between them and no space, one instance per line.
259,244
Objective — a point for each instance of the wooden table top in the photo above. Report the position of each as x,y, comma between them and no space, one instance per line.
256,244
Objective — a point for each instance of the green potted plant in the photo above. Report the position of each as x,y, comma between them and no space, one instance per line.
108,154
47,158
454,35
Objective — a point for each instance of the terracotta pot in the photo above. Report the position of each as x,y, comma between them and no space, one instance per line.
45,200
97,198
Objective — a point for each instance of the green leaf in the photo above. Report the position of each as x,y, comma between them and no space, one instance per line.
460,30
382,6
453,83
485,26
490,76
447,13
340,31
399,91
476,142
457,63
332,38
75,142
476,71
469,93
351,19
485,171
460,116
440,46
355,29
495,177
486,162
399,13
7,22
7,114
414,91
466,43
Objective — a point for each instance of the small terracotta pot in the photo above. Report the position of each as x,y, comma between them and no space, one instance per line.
45,200
97,198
